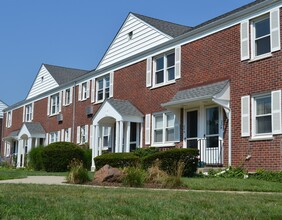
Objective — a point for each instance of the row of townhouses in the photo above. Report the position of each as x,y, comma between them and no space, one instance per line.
215,87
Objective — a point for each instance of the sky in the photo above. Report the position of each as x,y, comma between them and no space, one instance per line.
77,33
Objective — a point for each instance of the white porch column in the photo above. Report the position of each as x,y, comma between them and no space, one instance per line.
36,142
117,138
127,145
121,136
141,134
95,147
19,153
29,144
100,142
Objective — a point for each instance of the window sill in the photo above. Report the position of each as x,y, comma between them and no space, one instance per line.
261,57
261,138
163,84
164,145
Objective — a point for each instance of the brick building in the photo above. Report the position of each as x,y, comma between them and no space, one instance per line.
215,87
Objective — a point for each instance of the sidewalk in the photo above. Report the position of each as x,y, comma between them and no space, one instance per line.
49,180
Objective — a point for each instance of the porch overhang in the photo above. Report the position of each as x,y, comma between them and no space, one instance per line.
117,110
218,92
31,130
12,136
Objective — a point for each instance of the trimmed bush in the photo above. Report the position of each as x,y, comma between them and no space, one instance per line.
145,152
57,156
35,158
170,159
118,160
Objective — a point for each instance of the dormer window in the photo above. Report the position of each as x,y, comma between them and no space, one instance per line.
130,35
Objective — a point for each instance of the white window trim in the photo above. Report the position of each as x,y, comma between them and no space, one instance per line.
57,107
65,97
166,81
261,136
30,112
164,143
104,88
56,137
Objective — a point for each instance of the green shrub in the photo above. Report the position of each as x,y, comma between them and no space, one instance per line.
170,158
144,152
57,156
35,158
268,175
134,177
77,174
87,161
118,160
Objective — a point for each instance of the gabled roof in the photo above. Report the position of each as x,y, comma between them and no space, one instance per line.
63,74
34,128
197,93
2,107
166,27
125,107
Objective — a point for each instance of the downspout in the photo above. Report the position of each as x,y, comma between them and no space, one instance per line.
73,112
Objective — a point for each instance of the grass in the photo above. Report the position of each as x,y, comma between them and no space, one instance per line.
72,202
232,184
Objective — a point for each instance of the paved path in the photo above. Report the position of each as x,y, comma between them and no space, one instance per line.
49,180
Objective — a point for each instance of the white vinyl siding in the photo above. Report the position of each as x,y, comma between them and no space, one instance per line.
2,107
144,37
44,82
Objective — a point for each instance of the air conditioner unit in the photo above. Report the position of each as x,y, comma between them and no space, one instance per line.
89,110
60,117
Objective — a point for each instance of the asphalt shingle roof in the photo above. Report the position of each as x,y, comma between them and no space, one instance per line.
63,74
124,107
198,93
34,128
166,27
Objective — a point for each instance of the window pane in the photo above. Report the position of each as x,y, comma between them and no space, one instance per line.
100,84
160,77
100,95
170,60
263,124
262,28
170,120
212,142
263,105
171,74
158,136
107,93
170,134
159,121
263,46
160,63
212,121
107,79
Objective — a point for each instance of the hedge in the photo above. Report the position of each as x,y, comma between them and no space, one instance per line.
57,156
119,160
170,158
35,158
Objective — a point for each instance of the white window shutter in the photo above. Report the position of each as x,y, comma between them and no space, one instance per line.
93,95
60,101
245,47
69,138
62,135
86,133
276,112
178,62
149,72
91,137
148,129
64,97
48,105
47,139
275,30
245,116
32,110
71,92
78,135
79,92
176,130
111,84
88,89
23,113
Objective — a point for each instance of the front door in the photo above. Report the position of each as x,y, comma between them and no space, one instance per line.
192,129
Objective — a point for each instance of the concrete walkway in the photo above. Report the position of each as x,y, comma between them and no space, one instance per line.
49,180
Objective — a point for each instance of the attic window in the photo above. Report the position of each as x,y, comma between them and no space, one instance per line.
130,35
42,78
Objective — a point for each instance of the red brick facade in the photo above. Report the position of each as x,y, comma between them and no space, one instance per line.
210,59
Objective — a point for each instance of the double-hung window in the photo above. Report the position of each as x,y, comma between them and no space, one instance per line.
28,113
164,68
55,104
164,128
83,134
103,88
262,114
261,35
84,91
67,96
54,137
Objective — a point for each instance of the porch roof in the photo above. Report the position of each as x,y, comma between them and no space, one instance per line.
13,134
199,93
34,128
124,107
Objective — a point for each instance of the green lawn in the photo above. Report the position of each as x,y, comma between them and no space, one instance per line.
72,202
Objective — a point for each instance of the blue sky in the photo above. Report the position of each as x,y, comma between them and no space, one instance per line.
76,33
